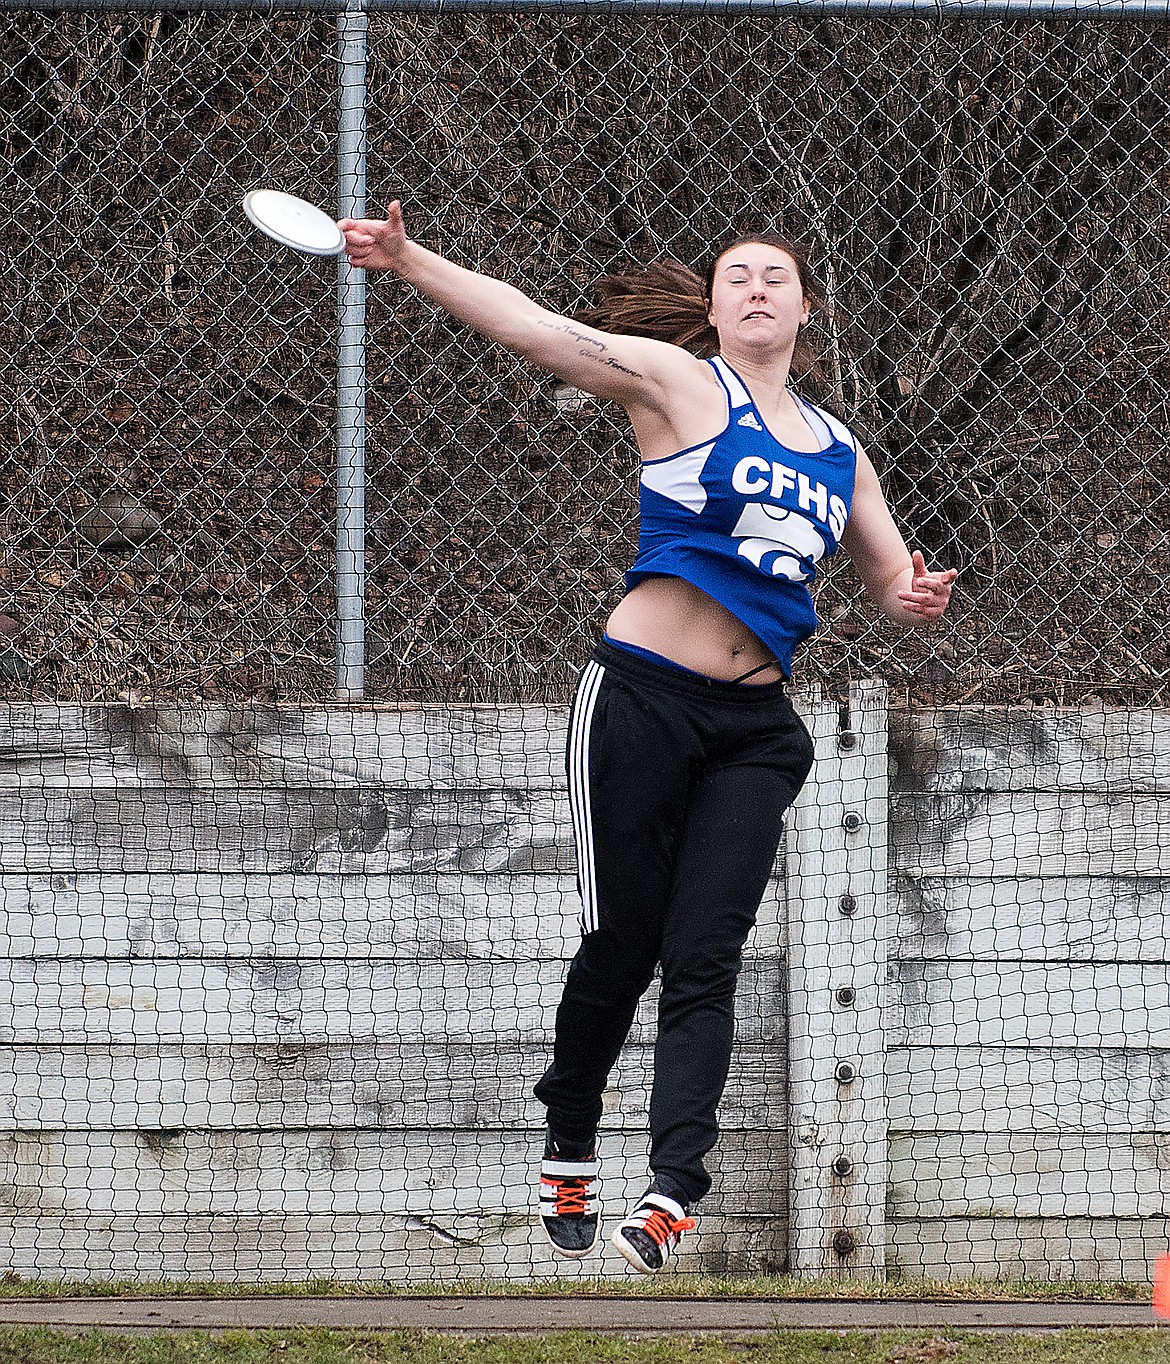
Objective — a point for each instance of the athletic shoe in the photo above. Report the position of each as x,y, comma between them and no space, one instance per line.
569,1206
649,1236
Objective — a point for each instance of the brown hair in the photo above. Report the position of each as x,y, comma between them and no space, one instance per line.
669,301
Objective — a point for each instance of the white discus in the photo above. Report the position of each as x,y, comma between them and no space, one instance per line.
294,222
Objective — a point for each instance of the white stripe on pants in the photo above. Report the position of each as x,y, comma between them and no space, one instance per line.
579,799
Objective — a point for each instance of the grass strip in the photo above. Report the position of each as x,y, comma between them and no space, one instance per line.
1074,1346
660,1286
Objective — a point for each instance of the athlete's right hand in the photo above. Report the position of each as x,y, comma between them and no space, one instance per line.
376,243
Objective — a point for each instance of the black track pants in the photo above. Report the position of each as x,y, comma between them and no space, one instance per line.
677,787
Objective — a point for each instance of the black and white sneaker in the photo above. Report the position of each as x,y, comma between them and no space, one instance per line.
651,1233
569,1206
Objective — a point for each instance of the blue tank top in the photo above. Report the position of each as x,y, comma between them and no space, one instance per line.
747,520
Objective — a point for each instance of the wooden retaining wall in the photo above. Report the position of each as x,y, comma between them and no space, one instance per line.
275,985
1028,1040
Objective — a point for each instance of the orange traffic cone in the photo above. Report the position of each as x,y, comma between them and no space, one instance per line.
1162,1286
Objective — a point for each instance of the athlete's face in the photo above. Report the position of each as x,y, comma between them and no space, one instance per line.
757,298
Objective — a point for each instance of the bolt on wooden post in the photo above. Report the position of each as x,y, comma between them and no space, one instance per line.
837,929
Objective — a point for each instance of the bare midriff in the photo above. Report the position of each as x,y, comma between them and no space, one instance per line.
679,621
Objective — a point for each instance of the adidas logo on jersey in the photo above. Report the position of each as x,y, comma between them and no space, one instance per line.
750,419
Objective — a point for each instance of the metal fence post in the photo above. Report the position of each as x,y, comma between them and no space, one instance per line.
351,363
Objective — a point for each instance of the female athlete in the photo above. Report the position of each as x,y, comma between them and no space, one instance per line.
684,750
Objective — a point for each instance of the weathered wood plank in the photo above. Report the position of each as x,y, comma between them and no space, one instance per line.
50,1002
1002,749
332,831
436,747
1001,1089
288,915
178,831
1088,918
1027,834
369,1247
1051,1249
434,1174
952,1004
344,1085
305,915
207,746
1030,1174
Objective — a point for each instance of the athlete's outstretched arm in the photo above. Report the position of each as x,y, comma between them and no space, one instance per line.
898,581
632,370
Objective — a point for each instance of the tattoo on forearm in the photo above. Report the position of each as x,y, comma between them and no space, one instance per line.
591,348
569,330
611,363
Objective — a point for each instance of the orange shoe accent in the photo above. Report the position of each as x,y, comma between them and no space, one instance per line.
1162,1286
660,1226
569,1194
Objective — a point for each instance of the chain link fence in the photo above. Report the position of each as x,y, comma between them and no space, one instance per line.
986,201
